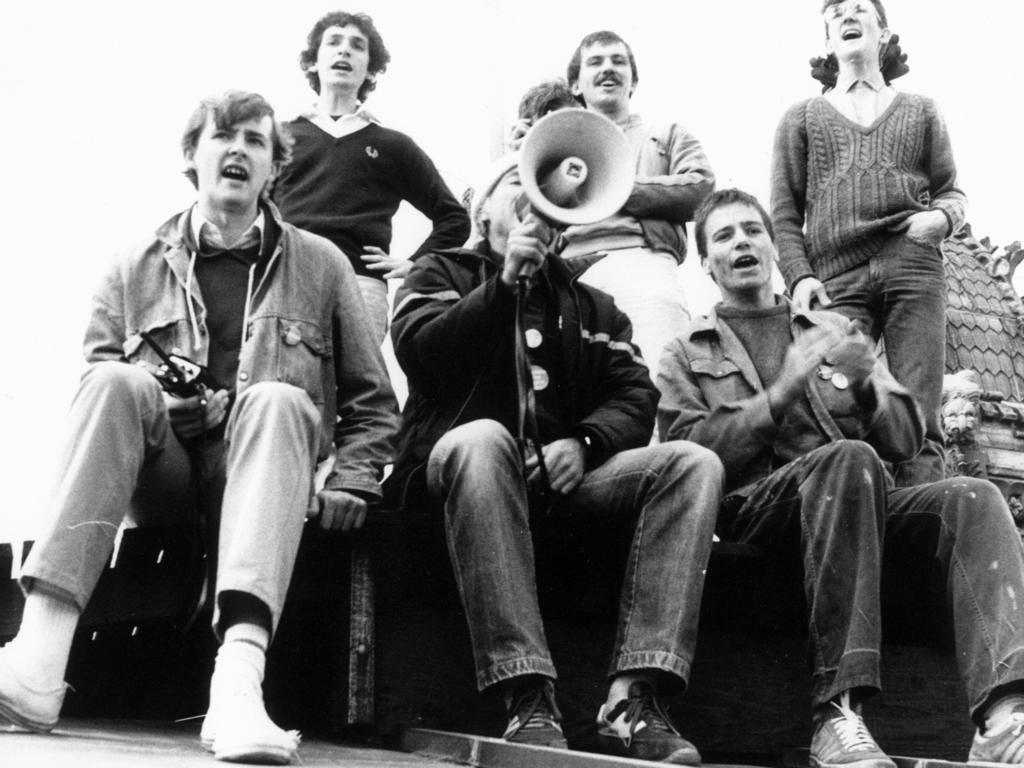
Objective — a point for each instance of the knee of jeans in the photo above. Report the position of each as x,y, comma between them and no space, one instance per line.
976,504
479,435
265,395
121,378
852,455
684,455
483,443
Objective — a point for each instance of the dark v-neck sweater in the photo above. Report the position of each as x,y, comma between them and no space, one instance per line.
347,189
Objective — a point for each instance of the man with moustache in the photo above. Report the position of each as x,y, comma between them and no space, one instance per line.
633,255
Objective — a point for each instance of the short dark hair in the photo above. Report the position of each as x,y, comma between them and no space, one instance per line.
604,37
228,109
719,199
379,55
549,96
879,9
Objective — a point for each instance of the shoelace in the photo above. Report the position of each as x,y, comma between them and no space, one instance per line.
534,709
645,708
850,728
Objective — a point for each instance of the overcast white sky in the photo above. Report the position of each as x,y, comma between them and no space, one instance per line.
95,95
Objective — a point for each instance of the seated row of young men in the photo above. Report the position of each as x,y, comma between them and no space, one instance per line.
775,426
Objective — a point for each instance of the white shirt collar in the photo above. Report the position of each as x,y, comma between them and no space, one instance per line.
343,125
213,236
846,82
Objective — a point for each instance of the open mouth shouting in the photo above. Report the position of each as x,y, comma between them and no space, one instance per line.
341,66
852,33
234,172
745,262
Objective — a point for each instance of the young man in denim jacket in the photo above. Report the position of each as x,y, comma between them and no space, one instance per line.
275,314
803,414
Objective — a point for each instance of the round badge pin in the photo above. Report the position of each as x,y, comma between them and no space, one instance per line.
540,378
839,381
533,338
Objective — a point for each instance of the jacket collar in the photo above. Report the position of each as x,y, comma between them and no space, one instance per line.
709,323
175,234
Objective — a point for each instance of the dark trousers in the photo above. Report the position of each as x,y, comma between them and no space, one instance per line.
900,296
839,506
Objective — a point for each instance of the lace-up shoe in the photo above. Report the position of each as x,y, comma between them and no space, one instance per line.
1005,745
639,727
845,742
533,716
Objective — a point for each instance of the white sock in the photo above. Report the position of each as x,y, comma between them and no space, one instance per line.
39,653
241,660
619,688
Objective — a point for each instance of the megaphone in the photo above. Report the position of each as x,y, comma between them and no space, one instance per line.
576,167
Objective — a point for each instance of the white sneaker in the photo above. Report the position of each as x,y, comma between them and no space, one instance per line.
25,707
237,729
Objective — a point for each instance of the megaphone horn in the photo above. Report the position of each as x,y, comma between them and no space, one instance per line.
576,167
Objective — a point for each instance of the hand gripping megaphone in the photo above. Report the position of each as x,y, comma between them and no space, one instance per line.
576,167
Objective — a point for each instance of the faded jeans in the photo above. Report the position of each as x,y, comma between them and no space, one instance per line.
669,493
121,458
900,295
838,506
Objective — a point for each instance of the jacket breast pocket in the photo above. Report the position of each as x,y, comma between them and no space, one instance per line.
720,379
302,356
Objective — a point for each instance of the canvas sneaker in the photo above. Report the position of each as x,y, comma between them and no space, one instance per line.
639,727
845,742
533,716
1005,745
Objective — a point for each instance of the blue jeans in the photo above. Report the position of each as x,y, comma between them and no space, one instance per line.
669,492
837,506
121,459
900,295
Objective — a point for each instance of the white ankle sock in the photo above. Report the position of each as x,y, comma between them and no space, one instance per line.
39,653
241,659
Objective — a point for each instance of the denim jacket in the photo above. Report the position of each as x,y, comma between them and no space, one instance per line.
712,395
306,326
673,177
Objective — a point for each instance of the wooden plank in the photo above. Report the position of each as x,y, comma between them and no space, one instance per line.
483,752
129,744
361,636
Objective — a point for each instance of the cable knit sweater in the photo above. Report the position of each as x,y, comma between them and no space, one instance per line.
850,183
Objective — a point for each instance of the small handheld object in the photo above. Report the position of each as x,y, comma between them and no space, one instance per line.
180,376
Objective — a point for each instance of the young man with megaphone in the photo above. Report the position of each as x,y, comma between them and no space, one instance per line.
469,447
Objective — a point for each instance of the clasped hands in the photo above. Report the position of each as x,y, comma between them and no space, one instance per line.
851,354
